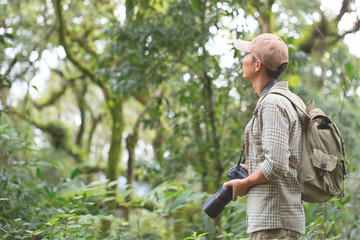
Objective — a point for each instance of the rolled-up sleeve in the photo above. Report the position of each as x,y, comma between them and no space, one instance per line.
275,125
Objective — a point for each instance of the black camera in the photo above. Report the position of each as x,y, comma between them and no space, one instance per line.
217,202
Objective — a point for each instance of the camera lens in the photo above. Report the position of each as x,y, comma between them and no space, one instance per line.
217,203
224,195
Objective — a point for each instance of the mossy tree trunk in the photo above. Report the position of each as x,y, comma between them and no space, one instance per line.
116,137
112,172
114,102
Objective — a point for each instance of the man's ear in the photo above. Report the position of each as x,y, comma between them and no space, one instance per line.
258,65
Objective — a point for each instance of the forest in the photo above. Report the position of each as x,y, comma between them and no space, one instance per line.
120,118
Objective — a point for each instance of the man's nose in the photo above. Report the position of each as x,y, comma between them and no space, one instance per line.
242,59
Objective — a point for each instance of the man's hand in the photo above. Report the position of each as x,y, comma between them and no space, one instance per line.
240,187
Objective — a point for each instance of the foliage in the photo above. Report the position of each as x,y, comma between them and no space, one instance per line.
118,119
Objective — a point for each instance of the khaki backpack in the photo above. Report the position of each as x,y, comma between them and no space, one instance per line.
321,172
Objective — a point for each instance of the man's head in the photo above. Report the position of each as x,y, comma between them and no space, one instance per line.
270,50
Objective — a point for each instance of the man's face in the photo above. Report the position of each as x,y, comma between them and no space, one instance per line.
249,63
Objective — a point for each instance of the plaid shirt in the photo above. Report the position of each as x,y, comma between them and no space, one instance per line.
276,204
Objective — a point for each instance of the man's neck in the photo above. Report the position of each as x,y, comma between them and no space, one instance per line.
260,83
260,79
268,87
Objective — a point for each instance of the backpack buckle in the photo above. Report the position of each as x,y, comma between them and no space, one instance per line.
322,171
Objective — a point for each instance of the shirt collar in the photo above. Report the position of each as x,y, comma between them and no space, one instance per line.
267,87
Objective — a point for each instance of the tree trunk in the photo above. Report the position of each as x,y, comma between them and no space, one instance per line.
112,173
131,141
214,132
158,141
201,154
82,105
116,137
265,15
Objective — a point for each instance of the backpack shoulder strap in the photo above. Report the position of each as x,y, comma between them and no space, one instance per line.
294,99
294,164
298,103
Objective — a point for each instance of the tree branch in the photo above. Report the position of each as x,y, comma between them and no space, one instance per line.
95,121
344,9
58,135
87,71
140,97
62,33
55,96
83,43
11,65
80,95
354,30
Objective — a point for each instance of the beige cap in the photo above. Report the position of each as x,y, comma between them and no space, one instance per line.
269,49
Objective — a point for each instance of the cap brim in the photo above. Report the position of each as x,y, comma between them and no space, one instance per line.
242,45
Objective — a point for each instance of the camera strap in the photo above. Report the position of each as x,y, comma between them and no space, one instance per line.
242,159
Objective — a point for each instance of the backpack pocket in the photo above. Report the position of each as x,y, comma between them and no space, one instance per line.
323,161
329,171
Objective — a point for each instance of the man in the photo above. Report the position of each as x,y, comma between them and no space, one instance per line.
272,137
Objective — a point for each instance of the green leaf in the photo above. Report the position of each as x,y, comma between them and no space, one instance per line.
349,71
76,231
37,232
113,183
203,234
179,201
53,221
75,173
108,199
34,87
5,136
38,173
79,197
